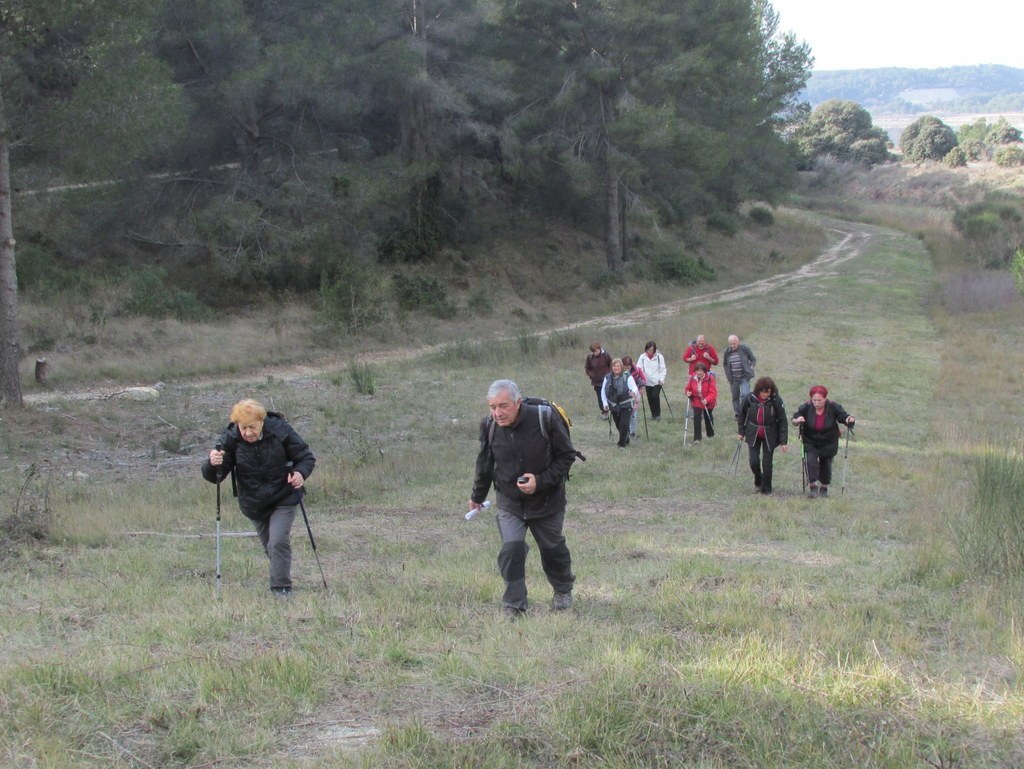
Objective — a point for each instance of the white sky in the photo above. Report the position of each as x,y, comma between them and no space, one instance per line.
906,33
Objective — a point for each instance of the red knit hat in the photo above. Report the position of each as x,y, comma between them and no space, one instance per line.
819,389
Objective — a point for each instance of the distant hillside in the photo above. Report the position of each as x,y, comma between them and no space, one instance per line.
985,88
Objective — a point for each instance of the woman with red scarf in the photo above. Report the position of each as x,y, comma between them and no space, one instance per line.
762,422
819,420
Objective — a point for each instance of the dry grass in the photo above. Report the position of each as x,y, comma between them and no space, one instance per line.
713,627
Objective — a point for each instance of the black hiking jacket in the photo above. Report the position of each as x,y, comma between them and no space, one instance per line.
522,448
776,429
261,468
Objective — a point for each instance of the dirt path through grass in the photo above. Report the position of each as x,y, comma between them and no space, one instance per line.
852,240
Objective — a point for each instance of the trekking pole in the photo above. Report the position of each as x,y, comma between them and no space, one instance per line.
803,461
664,394
736,457
220,477
686,423
846,456
643,407
312,541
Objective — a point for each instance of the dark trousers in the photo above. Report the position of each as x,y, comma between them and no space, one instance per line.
707,417
819,468
654,398
622,419
554,555
597,392
761,455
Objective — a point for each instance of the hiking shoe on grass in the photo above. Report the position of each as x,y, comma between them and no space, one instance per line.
512,613
561,601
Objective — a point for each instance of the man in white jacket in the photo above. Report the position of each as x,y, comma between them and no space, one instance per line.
652,364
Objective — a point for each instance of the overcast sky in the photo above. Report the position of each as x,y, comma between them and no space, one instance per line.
906,33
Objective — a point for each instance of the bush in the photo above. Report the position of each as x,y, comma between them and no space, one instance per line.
723,221
150,296
1009,157
423,293
761,215
352,293
990,534
927,138
955,158
676,267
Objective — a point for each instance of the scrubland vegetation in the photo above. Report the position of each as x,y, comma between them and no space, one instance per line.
712,627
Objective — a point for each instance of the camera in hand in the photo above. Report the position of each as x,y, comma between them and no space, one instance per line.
522,479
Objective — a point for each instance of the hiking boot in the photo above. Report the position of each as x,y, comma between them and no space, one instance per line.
281,592
823,490
512,613
812,490
561,601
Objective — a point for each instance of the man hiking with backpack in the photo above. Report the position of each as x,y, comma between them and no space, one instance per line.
526,453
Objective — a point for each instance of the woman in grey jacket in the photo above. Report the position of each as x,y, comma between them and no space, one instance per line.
763,426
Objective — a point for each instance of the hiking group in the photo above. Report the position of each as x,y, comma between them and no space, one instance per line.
622,387
526,453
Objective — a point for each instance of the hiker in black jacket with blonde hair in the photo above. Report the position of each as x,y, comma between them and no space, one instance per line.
271,463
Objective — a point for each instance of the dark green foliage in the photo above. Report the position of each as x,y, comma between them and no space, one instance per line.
842,130
150,295
723,221
669,263
927,138
761,215
423,293
427,227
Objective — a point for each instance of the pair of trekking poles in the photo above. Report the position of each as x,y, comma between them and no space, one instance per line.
305,518
643,407
803,459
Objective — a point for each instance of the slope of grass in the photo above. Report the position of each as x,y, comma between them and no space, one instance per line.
713,627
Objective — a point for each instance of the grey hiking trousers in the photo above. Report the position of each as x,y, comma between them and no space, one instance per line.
275,535
554,555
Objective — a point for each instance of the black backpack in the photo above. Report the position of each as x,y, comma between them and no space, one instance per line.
545,413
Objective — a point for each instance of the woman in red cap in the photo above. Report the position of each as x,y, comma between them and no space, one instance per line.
819,420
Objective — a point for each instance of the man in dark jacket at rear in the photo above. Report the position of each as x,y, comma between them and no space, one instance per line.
526,453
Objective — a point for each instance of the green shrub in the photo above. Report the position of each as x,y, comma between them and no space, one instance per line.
670,264
352,294
761,215
990,534
423,293
150,296
956,158
1009,157
723,221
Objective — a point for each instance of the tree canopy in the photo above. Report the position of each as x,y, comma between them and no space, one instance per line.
241,145
842,130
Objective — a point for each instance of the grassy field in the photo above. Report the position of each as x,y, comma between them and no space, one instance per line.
712,628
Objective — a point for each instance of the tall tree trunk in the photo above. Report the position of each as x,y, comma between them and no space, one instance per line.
10,334
612,220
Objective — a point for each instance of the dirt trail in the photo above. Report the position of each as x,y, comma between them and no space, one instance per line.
852,240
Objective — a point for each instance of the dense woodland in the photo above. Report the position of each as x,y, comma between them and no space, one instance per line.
985,88
230,148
